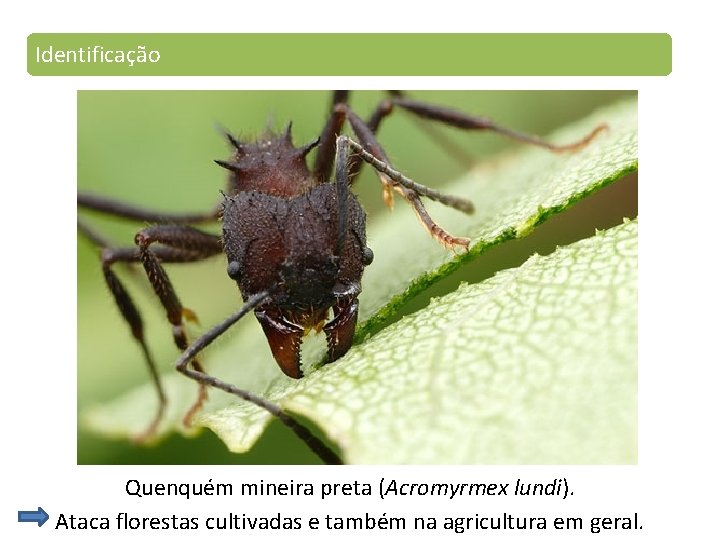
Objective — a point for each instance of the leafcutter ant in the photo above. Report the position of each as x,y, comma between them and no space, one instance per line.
294,239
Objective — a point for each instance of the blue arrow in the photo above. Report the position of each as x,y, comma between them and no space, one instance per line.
39,517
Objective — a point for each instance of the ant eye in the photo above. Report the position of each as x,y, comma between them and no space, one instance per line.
367,256
233,270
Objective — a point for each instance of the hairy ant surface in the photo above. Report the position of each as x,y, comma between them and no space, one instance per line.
294,240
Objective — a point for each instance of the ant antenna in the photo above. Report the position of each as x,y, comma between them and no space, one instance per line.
342,188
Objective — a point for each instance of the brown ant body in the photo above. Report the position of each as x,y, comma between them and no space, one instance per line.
294,241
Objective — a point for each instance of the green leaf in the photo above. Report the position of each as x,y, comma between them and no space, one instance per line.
373,400
535,365
512,196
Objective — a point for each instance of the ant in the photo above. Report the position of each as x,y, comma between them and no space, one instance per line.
294,241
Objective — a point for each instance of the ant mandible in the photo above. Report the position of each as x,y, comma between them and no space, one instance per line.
295,242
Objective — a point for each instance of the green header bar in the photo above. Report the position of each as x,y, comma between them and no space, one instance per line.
349,54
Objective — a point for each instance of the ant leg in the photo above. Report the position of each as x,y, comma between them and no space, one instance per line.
371,152
255,301
366,134
340,96
326,151
327,148
407,188
121,209
196,245
128,310
132,316
462,120
383,110
111,255
460,154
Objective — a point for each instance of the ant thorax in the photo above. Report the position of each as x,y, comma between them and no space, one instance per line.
270,165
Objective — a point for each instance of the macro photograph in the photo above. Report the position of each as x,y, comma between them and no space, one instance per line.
357,277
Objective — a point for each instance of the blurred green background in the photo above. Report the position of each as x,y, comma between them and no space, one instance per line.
155,148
